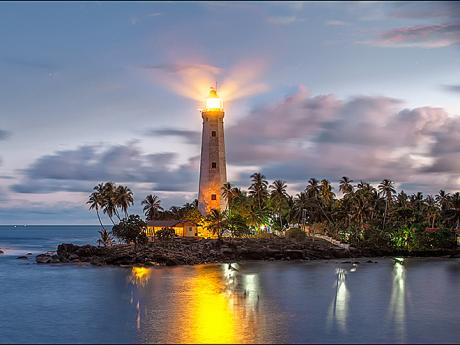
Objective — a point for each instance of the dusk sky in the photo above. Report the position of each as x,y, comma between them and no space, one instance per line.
94,92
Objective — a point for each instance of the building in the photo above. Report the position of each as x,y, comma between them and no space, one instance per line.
183,228
213,172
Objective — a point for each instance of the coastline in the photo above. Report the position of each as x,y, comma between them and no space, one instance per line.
186,251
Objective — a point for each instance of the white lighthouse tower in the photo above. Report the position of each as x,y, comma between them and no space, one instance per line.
213,171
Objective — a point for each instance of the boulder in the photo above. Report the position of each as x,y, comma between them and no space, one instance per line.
55,259
29,254
74,257
22,257
226,250
294,254
43,259
65,249
1,252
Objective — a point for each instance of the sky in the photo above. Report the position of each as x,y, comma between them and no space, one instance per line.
111,91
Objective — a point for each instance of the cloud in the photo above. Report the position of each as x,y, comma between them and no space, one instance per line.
425,10
452,88
4,134
190,137
335,22
175,68
369,138
421,36
282,20
79,169
28,63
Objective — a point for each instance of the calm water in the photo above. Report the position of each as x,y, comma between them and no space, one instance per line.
417,301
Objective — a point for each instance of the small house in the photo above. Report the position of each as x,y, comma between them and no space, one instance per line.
182,228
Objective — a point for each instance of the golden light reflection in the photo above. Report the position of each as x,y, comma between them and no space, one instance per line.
397,308
338,310
140,275
220,307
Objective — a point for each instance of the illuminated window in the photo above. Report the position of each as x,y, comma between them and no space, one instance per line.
213,197
214,165
213,133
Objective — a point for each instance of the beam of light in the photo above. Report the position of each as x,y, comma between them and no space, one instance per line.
193,80
338,310
397,307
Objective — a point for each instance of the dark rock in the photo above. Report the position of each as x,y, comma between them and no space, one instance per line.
295,254
1,252
73,257
43,259
22,257
55,259
226,251
97,261
65,249
29,254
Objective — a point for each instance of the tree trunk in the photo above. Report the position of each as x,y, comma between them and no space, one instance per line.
385,215
99,217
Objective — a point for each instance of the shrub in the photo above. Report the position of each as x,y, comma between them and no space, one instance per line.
105,238
165,234
404,238
130,230
295,234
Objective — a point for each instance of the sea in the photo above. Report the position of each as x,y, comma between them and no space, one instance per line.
377,300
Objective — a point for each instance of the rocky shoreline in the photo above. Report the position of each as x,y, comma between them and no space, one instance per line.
191,251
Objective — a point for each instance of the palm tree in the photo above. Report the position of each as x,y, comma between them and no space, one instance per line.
123,198
105,238
443,199
327,195
301,202
313,191
345,185
279,197
313,188
387,190
216,221
431,209
258,188
454,209
109,200
95,201
152,206
228,194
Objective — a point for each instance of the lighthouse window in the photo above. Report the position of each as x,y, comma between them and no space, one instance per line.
213,197
213,165
213,133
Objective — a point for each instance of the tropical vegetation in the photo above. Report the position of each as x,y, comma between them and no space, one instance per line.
365,215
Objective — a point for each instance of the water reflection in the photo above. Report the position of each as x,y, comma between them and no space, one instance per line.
397,308
338,310
140,276
213,306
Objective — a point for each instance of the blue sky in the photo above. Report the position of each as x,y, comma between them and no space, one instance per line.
96,91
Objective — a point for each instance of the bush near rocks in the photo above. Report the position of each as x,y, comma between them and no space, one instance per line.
165,234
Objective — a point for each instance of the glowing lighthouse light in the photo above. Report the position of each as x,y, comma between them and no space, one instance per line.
213,102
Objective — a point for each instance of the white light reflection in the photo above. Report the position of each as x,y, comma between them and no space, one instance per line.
338,310
397,308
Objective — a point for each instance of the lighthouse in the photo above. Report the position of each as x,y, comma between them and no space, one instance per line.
213,171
